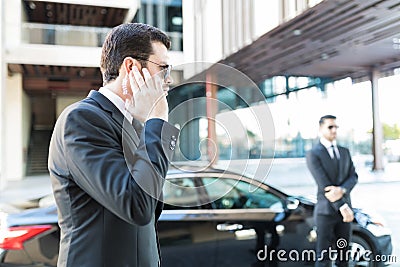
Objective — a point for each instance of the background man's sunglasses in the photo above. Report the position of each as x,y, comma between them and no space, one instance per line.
330,127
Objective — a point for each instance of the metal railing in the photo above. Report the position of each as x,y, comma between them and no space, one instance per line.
38,33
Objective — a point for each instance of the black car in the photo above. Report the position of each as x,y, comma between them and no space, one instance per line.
211,217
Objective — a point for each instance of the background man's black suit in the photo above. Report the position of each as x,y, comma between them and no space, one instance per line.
329,221
322,168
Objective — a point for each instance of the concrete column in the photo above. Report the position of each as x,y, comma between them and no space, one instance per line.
211,111
3,73
161,16
149,14
377,125
17,126
13,16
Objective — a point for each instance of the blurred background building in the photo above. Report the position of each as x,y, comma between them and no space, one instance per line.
308,58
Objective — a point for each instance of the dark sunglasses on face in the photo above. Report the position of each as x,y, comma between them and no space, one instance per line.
330,127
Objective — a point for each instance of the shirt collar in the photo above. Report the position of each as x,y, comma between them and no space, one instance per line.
326,143
117,101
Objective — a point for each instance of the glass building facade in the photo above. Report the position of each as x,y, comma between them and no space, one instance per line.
165,15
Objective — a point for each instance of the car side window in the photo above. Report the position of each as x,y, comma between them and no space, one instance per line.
236,194
180,193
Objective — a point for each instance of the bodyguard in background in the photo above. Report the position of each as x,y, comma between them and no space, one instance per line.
109,156
333,171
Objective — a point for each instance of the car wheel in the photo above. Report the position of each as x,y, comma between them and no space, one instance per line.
362,252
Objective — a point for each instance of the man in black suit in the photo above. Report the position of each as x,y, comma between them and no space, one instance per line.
333,170
109,156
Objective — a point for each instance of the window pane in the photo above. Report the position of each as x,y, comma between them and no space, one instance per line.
180,193
239,195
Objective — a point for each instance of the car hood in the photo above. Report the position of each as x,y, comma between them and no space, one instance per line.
46,215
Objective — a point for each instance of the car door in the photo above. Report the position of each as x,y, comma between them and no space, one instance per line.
245,216
186,233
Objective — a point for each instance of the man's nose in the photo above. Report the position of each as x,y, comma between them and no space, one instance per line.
169,80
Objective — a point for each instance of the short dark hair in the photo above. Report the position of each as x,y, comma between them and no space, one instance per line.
326,117
129,39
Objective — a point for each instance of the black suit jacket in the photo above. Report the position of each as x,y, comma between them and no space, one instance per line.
106,181
322,169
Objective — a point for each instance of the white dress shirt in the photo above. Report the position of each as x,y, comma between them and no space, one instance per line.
117,101
328,144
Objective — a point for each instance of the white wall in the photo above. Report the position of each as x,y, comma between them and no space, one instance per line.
189,45
214,29
14,169
266,16
3,73
13,20
202,34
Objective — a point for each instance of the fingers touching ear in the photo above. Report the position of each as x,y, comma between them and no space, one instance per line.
128,64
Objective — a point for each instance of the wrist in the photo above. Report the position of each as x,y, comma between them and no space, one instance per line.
344,206
157,116
344,190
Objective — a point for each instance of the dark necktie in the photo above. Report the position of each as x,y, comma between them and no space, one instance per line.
335,157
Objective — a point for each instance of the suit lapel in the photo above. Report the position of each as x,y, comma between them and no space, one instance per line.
130,132
127,129
342,161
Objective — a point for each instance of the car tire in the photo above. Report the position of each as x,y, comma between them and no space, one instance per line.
359,246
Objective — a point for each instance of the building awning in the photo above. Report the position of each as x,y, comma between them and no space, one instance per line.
334,39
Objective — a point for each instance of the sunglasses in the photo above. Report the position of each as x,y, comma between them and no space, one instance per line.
166,69
330,127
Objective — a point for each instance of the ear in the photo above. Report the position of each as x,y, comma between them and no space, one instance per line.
128,64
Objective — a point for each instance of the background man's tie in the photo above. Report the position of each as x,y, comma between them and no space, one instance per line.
335,158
